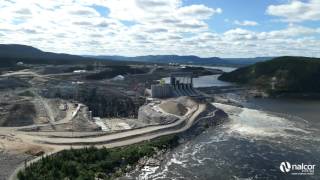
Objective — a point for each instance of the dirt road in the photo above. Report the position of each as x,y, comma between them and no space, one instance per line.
116,139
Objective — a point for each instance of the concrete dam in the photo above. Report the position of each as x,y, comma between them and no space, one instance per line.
181,84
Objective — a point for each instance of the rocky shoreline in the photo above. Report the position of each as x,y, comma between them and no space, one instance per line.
208,119
154,160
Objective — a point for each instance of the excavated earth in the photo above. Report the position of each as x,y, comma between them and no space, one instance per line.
36,98
173,107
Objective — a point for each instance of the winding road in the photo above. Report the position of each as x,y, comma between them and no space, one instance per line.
116,139
128,137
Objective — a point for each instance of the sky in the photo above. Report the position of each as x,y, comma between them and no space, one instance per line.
206,28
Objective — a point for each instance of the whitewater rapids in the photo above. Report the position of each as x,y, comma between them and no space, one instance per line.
250,145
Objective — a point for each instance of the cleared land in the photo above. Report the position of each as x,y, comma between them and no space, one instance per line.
114,140
45,109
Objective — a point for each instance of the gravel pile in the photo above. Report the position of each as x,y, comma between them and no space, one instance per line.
173,107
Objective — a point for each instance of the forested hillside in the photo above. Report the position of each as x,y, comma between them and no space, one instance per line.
283,74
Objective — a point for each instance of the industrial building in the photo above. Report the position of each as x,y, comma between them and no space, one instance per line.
181,84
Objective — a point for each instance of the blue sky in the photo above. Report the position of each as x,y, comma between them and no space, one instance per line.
238,10
254,10
224,28
234,10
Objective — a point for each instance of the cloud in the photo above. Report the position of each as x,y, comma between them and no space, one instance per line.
239,34
174,37
29,31
141,27
293,31
157,5
103,24
296,11
23,11
141,10
157,30
82,11
82,23
246,23
168,14
191,25
198,11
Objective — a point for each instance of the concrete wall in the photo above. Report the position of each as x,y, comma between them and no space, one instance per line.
161,91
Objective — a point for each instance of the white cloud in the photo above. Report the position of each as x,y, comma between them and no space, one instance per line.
245,23
293,40
293,31
140,27
197,11
296,11
81,11
141,10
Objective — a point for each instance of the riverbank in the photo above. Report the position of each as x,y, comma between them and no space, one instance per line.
92,163
209,119
250,145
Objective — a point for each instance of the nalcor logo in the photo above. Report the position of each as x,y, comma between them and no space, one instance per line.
297,169
285,167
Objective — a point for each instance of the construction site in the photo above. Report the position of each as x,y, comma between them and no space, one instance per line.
44,109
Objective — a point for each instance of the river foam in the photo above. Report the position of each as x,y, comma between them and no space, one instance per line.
236,148
257,123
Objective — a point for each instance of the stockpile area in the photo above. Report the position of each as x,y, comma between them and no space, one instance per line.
165,112
149,114
173,107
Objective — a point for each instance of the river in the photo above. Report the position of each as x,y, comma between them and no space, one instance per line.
251,145
210,80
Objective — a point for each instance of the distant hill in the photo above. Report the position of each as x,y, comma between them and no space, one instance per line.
10,54
247,61
283,74
28,52
237,62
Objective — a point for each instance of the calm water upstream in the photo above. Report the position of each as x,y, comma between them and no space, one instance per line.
209,81
251,145
305,108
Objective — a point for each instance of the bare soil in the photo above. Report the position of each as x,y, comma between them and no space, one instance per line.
13,114
173,108
9,162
